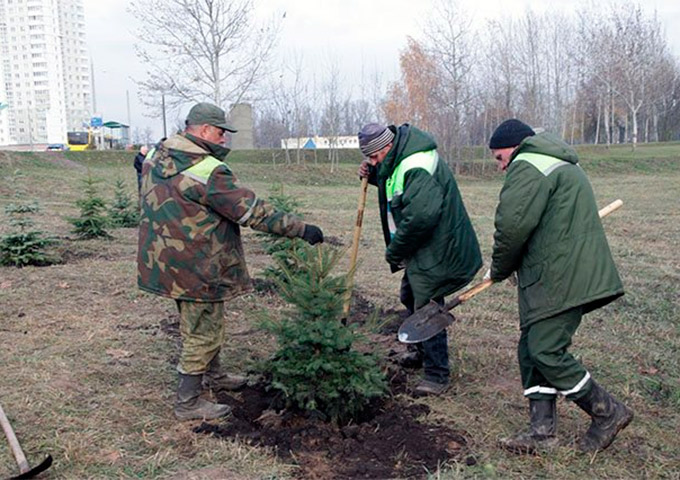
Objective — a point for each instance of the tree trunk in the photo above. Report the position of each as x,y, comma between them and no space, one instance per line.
597,122
635,128
646,128
656,125
611,120
583,126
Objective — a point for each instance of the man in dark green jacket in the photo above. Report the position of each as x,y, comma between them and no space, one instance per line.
549,232
426,228
190,250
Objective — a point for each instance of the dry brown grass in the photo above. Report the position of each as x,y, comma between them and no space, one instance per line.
88,372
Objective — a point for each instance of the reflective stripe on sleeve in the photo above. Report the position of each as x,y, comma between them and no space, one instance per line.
248,214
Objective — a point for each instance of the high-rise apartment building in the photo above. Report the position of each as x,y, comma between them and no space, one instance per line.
45,86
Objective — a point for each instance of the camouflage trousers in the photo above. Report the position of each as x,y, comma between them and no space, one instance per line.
201,325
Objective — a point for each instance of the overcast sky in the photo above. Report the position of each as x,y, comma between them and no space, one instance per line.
352,32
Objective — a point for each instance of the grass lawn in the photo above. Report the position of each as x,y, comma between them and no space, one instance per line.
88,369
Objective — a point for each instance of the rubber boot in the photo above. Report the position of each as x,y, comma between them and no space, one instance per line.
609,417
542,430
216,379
189,405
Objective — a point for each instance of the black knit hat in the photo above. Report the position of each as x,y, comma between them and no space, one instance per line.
373,137
510,133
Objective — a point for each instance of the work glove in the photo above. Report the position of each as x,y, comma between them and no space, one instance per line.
312,234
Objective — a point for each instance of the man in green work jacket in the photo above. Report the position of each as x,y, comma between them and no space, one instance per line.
426,228
549,232
190,250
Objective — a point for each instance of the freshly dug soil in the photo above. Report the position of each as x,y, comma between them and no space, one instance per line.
391,440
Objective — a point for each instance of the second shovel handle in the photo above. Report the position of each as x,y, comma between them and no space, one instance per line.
615,205
355,247
480,287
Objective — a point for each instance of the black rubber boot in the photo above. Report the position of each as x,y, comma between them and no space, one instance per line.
189,405
216,379
542,431
609,417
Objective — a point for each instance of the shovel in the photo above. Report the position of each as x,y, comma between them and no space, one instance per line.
24,469
431,319
355,249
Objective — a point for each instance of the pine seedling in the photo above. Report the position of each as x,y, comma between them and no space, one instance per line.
280,248
92,222
24,245
316,367
123,212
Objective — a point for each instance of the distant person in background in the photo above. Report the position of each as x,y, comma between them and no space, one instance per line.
139,159
190,250
427,231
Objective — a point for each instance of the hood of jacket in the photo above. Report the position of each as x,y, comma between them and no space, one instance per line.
407,141
547,144
182,151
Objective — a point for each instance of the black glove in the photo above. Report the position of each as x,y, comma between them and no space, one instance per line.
312,234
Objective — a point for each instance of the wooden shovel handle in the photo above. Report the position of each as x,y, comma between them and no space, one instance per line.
355,247
615,205
480,287
472,291
14,443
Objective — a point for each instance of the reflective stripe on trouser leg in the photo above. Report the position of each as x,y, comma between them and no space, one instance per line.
202,328
546,365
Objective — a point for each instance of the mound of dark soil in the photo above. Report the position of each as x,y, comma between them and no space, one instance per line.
391,440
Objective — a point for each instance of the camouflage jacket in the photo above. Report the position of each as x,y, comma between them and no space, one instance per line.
189,237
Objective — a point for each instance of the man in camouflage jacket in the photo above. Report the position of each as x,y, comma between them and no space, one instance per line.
190,249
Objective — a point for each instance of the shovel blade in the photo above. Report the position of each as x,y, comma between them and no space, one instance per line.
425,323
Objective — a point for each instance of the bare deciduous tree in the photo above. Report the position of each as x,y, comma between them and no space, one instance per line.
450,40
331,119
197,50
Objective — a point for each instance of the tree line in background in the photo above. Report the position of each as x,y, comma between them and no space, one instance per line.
603,75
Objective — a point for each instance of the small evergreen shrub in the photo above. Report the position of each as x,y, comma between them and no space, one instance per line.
92,223
280,248
316,367
123,212
24,246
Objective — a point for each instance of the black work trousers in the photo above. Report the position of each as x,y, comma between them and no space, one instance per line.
435,351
